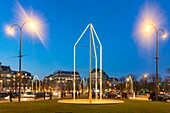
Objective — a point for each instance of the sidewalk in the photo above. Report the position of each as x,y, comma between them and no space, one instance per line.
139,97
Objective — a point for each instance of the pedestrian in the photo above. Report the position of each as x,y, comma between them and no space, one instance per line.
64,94
10,96
79,94
76,94
50,95
125,95
44,95
72,94
61,94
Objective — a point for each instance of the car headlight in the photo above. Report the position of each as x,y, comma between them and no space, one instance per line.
55,93
7,97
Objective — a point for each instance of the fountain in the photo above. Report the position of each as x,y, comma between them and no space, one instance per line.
129,79
83,86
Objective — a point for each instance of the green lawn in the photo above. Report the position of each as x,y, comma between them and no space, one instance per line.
52,106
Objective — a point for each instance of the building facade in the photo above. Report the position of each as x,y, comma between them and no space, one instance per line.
9,80
105,78
61,81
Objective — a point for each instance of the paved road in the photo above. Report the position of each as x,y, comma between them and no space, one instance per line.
69,96
26,99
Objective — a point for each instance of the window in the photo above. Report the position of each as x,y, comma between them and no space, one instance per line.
8,75
2,75
8,83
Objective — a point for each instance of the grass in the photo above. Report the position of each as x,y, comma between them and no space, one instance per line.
52,106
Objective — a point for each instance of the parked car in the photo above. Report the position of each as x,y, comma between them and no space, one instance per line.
29,95
105,95
93,94
47,94
166,97
40,95
118,95
56,94
152,96
161,97
15,94
111,94
4,96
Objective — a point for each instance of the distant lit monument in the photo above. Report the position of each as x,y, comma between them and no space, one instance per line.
92,47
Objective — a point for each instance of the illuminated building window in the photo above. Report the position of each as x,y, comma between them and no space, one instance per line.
8,75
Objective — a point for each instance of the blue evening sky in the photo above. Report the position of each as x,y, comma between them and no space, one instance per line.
113,21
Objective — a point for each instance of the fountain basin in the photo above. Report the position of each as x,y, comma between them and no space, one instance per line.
94,101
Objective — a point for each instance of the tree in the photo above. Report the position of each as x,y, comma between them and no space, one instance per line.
166,84
122,81
152,79
166,81
167,70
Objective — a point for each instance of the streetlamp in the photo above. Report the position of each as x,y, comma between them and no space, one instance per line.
148,28
32,25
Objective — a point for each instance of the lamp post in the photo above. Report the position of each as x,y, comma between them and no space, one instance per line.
148,27
20,52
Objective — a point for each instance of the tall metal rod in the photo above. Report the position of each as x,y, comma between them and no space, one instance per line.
74,73
101,73
90,92
32,85
100,62
20,56
95,54
39,86
156,87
